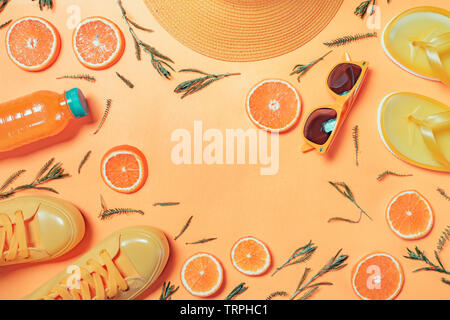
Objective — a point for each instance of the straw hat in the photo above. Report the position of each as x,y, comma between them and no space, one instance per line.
244,30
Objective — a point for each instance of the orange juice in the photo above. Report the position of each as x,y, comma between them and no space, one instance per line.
38,115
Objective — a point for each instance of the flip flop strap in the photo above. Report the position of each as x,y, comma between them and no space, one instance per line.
429,128
434,49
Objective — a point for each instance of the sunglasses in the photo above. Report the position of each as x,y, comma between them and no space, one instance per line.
323,123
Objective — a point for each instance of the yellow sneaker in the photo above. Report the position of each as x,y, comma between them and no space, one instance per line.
36,228
120,267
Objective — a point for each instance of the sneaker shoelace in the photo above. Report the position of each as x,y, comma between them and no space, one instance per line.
99,283
13,241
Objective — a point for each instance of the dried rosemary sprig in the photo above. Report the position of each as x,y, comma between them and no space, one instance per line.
159,61
420,256
335,263
202,241
276,294
391,173
348,39
346,192
346,220
105,116
167,291
356,143
125,80
443,193
194,85
85,77
83,161
108,213
445,238
138,26
5,24
184,228
241,288
300,255
3,4
46,174
361,10
165,204
301,69
45,3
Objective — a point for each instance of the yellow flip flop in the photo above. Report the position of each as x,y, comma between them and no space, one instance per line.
418,40
416,129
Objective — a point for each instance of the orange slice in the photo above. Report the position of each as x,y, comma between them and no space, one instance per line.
202,275
33,43
250,256
274,105
410,215
378,276
124,169
98,43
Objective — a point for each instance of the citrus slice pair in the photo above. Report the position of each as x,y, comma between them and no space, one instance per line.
202,274
34,44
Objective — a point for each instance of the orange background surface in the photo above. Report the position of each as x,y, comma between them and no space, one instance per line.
229,201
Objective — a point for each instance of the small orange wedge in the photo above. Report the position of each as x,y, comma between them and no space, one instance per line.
98,43
202,275
274,105
124,169
250,256
410,215
378,276
33,43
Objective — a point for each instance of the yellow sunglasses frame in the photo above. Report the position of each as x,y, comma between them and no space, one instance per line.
342,106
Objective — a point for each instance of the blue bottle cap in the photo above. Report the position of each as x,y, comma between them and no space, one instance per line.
77,103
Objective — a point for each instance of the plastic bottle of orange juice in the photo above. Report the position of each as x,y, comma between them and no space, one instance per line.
38,115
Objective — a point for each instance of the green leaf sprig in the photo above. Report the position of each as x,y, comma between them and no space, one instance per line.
191,86
361,10
349,39
276,294
443,193
355,136
160,62
202,241
241,288
165,204
167,291
83,161
391,173
301,69
104,117
106,213
186,225
308,288
85,77
3,4
443,240
125,80
45,3
419,255
300,255
346,192
3,25
46,174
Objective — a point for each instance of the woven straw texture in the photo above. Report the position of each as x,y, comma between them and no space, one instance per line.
244,30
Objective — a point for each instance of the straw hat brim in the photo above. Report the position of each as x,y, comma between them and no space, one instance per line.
244,30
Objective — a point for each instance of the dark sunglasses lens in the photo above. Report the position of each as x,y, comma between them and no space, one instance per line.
343,78
320,125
